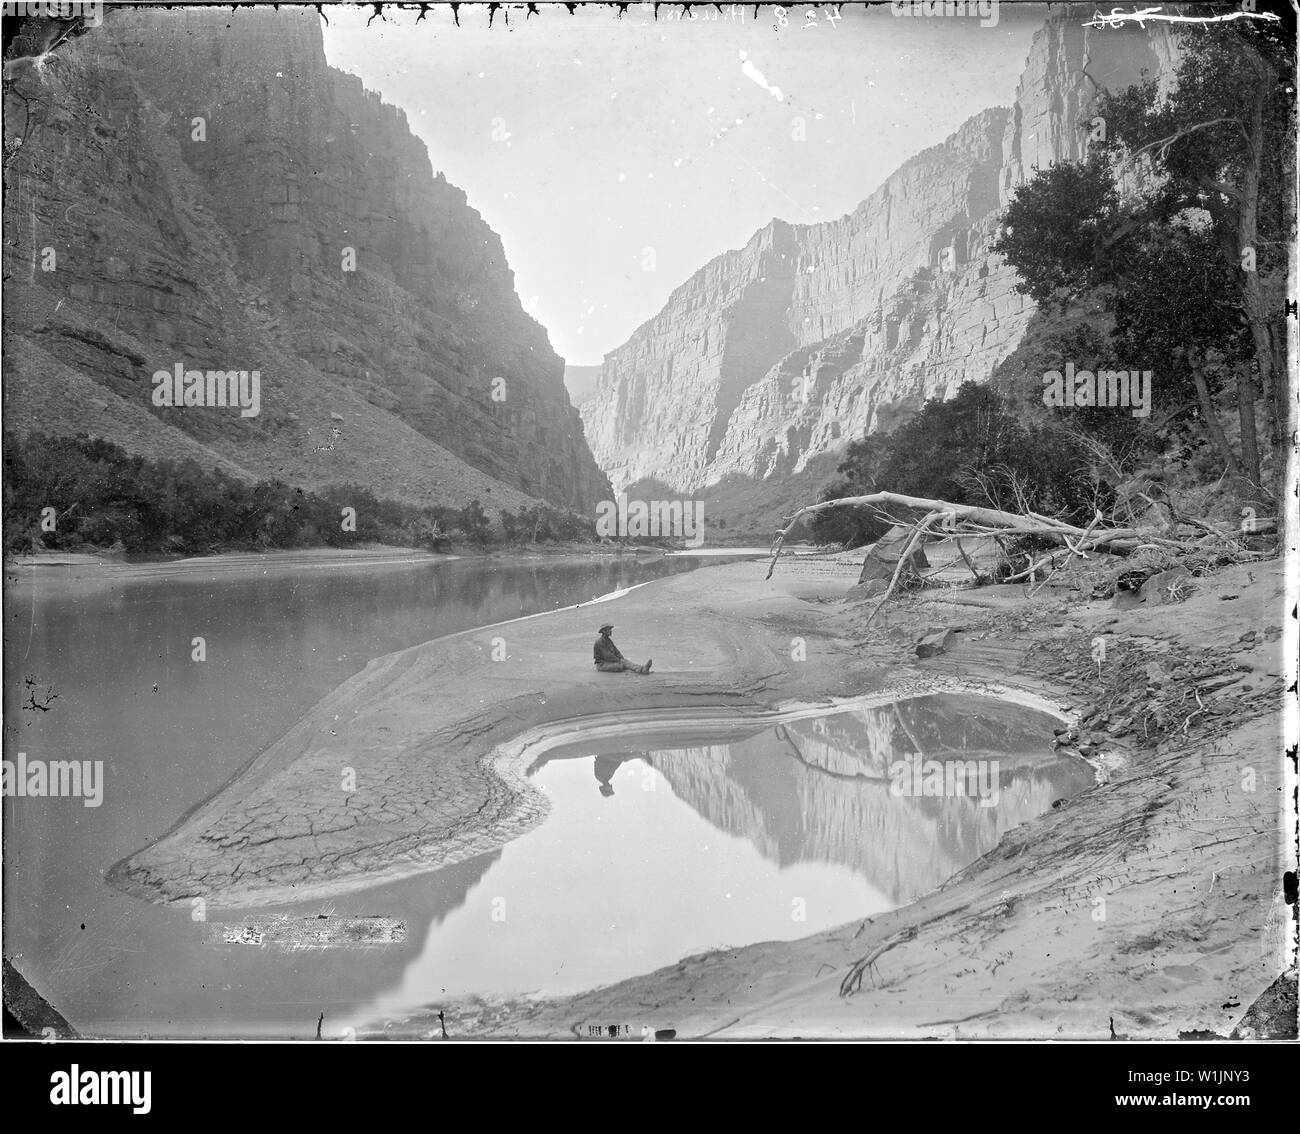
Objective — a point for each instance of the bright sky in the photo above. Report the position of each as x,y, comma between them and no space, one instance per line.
616,156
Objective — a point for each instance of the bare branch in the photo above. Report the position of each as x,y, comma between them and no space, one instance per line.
983,520
1162,146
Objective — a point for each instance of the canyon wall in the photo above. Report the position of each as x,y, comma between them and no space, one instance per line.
812,335
215,194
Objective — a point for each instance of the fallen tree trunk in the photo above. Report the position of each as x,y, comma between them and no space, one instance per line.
964,519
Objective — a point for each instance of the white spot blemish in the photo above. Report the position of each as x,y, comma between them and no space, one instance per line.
751,72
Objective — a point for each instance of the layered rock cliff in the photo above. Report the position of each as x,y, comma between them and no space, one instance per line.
812,335
202,188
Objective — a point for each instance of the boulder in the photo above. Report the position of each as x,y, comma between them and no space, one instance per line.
934,644
1156,590
1159,589
882,557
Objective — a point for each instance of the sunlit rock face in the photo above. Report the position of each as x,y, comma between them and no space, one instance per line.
812,335
217,195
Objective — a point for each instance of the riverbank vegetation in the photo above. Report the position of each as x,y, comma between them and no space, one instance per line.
1160,255
84,493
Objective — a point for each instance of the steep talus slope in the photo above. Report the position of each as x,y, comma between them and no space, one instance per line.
812,335
223,244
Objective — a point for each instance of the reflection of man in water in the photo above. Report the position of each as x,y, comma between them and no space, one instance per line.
610,660
606,766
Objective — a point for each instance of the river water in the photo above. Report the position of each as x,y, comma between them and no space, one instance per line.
655,846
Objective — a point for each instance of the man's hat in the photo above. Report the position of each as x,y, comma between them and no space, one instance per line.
607,626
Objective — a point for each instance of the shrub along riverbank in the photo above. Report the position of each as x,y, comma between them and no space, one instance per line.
83,493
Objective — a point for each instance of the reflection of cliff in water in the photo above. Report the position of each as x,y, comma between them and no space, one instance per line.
818,790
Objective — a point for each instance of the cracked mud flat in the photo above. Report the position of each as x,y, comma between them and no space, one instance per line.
1154,901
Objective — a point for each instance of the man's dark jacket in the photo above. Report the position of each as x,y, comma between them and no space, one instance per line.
605,651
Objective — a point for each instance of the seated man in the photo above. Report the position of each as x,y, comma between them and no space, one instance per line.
608,658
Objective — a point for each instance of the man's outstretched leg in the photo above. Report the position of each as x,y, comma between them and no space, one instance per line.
624,666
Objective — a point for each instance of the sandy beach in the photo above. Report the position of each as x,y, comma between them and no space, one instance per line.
1151,904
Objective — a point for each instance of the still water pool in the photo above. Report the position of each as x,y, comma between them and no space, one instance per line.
658,848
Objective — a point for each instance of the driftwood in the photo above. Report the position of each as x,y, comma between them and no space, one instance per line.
904,557
955,520
967,519
852,982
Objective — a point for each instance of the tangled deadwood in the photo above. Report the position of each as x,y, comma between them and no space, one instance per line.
1181,538
852,981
